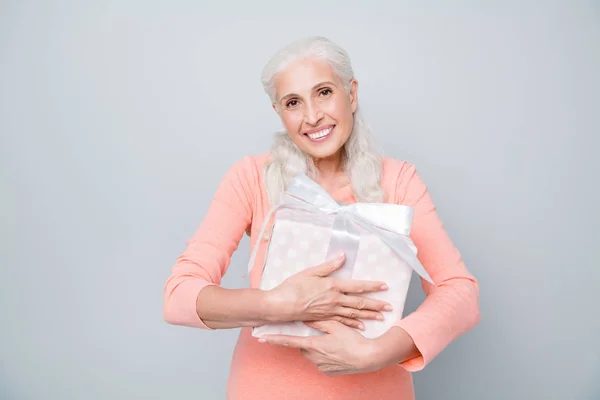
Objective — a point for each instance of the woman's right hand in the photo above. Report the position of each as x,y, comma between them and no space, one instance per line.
312,295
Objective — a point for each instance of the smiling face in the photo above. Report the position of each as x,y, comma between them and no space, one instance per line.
315,107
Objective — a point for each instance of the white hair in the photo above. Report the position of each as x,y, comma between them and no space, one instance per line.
361,157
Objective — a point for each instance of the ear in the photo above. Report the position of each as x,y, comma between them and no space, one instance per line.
354,94
274,105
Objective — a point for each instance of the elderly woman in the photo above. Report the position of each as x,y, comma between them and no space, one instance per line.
313,90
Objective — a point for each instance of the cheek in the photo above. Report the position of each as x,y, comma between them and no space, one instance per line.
292,121
339,110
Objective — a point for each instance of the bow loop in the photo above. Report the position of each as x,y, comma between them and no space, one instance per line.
389,222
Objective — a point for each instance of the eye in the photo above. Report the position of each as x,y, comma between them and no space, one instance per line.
291,103
325,92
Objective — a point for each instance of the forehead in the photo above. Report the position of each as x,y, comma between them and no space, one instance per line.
301,75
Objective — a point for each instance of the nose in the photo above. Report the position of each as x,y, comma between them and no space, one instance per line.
313,114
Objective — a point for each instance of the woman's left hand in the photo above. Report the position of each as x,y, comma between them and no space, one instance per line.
342,350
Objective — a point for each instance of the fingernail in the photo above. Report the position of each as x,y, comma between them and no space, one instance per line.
380,317
387,307
361,327
261,340
384,287
340,256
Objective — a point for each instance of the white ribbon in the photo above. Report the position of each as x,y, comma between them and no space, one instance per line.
305,194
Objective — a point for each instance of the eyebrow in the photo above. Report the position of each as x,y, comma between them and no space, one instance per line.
313,88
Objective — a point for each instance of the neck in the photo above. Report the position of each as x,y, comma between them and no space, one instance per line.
330,173
329,167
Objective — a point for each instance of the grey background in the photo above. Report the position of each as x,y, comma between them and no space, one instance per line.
118,119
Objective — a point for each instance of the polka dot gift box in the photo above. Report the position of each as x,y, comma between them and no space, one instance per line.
310,227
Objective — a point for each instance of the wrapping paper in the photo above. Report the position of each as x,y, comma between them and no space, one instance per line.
309,227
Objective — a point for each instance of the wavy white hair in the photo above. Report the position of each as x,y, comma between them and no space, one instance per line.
361,157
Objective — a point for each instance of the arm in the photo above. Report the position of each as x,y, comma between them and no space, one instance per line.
192,296
451,307
221,308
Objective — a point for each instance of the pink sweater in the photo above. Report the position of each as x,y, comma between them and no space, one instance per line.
266,372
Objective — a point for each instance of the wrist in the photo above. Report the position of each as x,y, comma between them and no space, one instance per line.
273,307
393,347
375,357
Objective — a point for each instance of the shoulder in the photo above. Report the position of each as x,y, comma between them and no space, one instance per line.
392,167
398,179
246,173
250,167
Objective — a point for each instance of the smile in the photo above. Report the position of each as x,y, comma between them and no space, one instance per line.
321,134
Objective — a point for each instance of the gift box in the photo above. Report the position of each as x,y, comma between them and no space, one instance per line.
309,227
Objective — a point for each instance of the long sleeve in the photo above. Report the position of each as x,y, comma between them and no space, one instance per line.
208,252
451,307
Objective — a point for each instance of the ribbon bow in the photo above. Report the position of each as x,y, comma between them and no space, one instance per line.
389,222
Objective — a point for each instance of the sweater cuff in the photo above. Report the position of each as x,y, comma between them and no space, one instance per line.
418,331
187,296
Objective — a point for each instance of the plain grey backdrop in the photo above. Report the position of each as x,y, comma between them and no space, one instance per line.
118,119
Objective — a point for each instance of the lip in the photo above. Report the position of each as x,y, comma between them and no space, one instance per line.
322,139
319,129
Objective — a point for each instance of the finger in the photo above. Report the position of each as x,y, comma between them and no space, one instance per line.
327,267
353,313
352,323
294,342
327,326
347,322
309,355
364,303
358,286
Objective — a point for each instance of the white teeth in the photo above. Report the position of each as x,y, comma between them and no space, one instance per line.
320,134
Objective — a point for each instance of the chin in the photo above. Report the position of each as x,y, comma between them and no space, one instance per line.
323,152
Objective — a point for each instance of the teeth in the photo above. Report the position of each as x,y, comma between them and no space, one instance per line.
320,134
